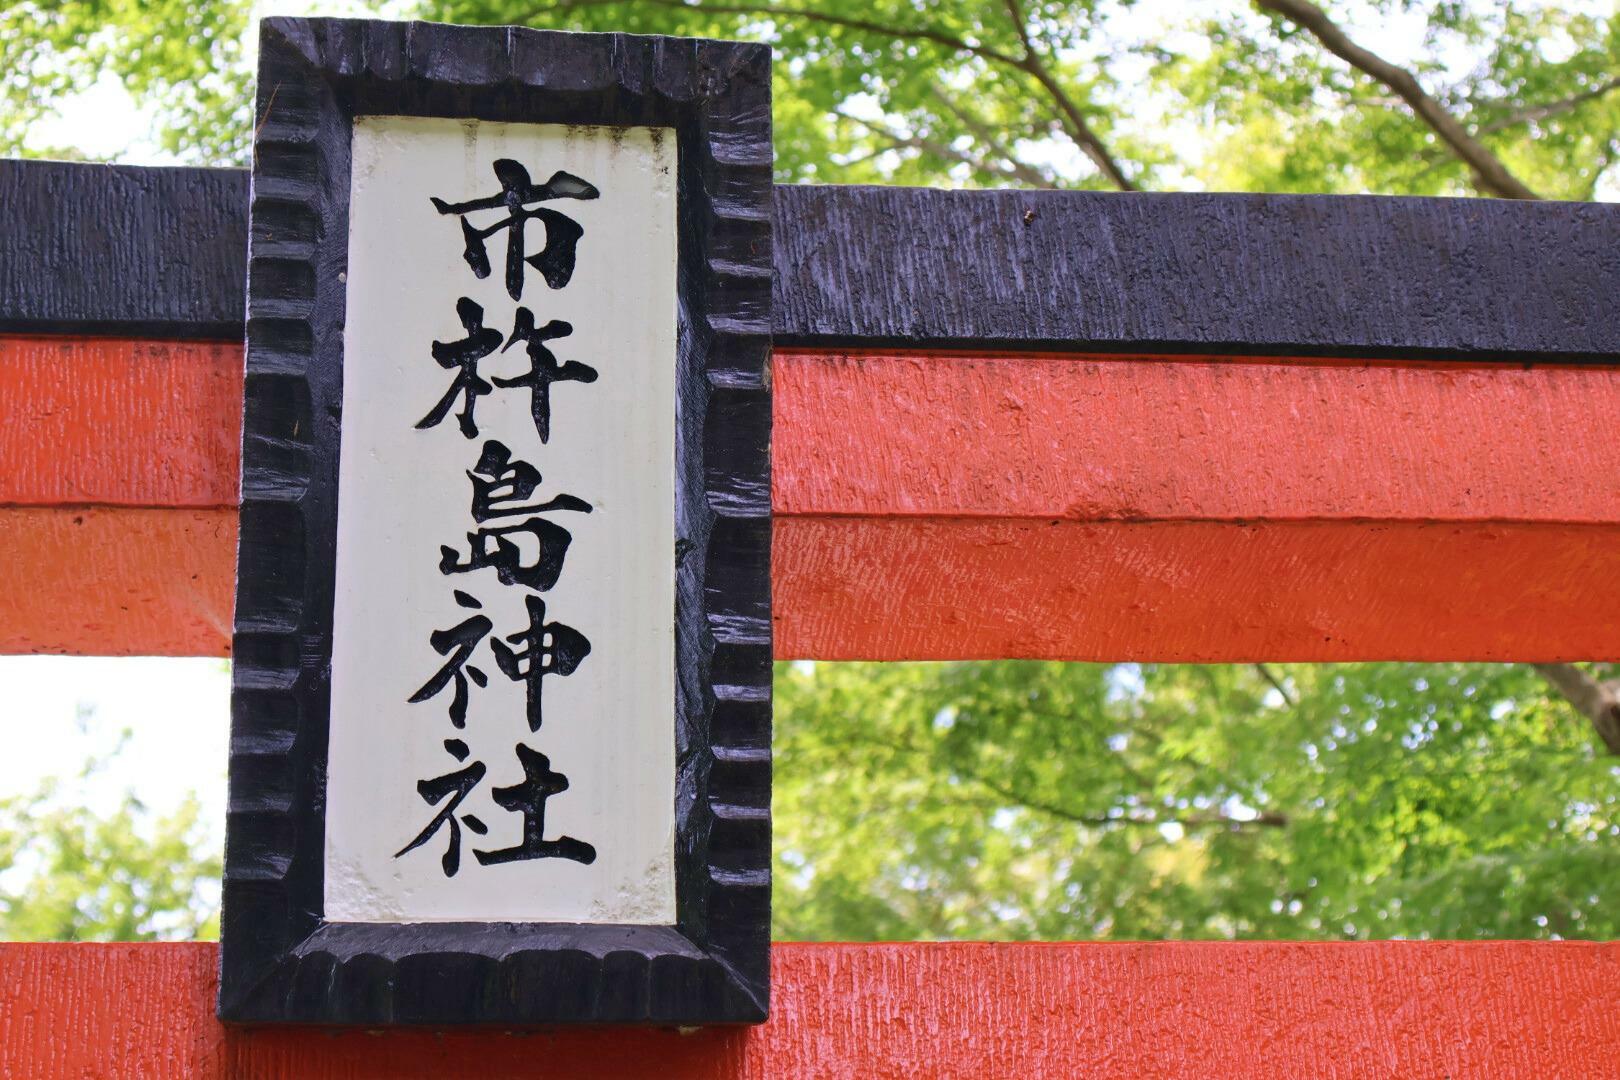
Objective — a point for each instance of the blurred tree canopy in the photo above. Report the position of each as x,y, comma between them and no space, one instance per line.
1073,801
1018,800
1393,96
69,872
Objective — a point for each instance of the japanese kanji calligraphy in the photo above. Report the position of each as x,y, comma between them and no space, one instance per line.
555,261
502,740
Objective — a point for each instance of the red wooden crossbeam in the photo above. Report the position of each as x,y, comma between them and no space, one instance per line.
1496,1010
929,505
948,505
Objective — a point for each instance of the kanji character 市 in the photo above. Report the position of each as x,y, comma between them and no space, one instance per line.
555,260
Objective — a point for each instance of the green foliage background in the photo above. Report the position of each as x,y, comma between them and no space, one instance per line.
1042,800
1031,800
69,872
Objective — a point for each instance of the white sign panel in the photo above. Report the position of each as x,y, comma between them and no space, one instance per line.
502,739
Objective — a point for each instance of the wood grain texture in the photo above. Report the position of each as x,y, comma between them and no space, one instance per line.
961,506
118,422
1464,1011
122,249
141,423
1195,591
924,588
1085,438
117,581
860,588
1283,274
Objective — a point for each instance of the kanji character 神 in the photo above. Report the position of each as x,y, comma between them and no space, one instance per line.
461,639
548,649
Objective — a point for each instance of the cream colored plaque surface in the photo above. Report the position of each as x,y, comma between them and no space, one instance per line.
405,493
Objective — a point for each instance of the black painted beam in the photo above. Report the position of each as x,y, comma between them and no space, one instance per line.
121,249
160,253
1277,274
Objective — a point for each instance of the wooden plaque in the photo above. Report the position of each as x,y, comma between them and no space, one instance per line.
501,711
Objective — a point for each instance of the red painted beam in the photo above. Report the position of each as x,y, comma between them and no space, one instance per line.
1468,1011
118,495
117,581
934,507
119,423
1151,439
1194,591
1187,509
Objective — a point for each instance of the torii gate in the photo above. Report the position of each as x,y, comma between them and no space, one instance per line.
1008,424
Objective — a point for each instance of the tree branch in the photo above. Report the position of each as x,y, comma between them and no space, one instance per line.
1186,821
1276,684
909,33
1005,166
982,131
1598,702
1015,11
1075,125
1074,121
1490,174
1531,113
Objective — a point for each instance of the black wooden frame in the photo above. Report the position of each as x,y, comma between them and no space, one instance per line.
280,961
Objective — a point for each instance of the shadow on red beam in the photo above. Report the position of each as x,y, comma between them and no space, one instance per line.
1469,1011
952,506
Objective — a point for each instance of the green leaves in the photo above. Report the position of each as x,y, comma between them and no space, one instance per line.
71,873
185,61
1289,117
1035,800
1088,93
